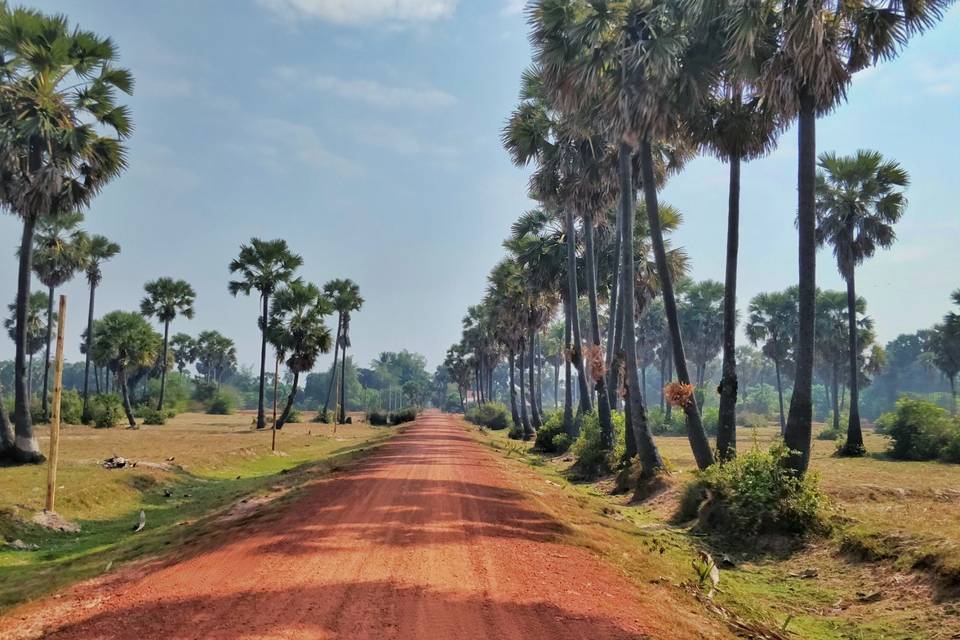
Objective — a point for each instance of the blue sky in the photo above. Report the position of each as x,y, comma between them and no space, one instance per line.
366,133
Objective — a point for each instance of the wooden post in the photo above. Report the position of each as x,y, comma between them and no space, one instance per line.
55,421
276,375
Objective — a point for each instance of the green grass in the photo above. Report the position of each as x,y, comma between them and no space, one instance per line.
219,460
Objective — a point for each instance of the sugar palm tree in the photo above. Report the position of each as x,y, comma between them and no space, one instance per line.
263,266
810,50
184,350
772,324
96,250
124,342
297,327
215,354
62,135
36,330
344,294
944,349
503,301
57,256
166,299
859,199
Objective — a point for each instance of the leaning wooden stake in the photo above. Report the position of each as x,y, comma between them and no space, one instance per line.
55,421
276,375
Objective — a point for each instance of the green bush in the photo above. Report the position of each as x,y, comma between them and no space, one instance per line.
71,407
324,417
106,410
404,415
919,430
830,434
294,416
951,452
661,426
751,420
710,417
494,415
552,437
378,418
592,459
754,494
152,416
221,404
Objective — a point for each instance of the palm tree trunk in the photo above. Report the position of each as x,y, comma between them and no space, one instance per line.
513,391
854,444
163,364
695,433
333,371
261,418
556,384
727,423
26,448
45,402
783,422
524,420
7,438
614,326
603,399
125,396
577,353
836,399
86,366
663,383
570,426
953,395
535,421
539,374
650,461
282,420
343,384
798,430
276,387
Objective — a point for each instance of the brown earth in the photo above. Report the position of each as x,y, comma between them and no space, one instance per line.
430,537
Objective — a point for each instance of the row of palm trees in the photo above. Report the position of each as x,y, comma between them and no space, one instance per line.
618,97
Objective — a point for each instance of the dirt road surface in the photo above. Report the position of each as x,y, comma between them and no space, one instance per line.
430,537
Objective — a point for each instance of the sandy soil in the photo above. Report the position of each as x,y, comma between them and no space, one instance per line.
427,538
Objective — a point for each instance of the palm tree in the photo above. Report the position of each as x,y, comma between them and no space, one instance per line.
62,133
297,326
859,199
36,330
215,354
184,349
124,342
96,250
345,297
944,347
772,324
57,256
263,266
503,302
810,50
166,299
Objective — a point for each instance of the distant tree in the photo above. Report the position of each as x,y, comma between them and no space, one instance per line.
296,325
96,250
344,295
772,324
859,199
944,347
166,299
701,321
124,342
36,329
184,350
216,355
57,256
263,266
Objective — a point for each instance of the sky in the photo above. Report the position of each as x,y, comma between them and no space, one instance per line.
366,133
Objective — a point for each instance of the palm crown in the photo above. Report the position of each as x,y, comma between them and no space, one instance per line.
97,250
59,249
167,298
262,266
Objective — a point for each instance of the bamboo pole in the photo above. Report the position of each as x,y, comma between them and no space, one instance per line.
276,376
55,420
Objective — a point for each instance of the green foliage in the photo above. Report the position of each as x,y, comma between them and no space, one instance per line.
176,395
378,418
106,410
830,434
919,430
711,420
661,426
71,407
408,414
294,417
754,494
552,437
494,415
751,420
592,459
222,403
152,416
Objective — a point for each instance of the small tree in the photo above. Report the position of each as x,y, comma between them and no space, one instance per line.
166,299
124,342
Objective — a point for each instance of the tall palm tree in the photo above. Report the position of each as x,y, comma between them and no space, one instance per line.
772,324
344,295
263,266
811,49
184,349
62,135
503,300
297,325
57,256
166,299
859,199
124,342
944,349
215,354
36,330
96,250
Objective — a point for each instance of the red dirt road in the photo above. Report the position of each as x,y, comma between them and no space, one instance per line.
427,538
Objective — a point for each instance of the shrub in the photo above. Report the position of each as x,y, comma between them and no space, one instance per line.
830,434
152,416
71,407
325,417
552,437
494,415
221,404
592,459
951,452
751,420
378,418
294,416
106,410
660,426
754,494
711,420
404,415
919,430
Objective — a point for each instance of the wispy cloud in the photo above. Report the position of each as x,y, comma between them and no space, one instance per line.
403,141
275,142
940,80
514,7
359,12
369,92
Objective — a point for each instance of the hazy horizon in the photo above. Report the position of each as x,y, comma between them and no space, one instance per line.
369,139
